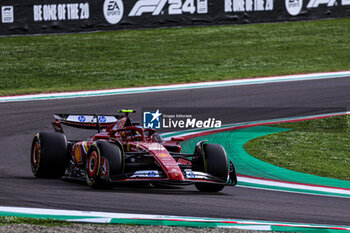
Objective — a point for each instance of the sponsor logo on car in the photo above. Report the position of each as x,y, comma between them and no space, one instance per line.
102,119
156,146
7,14
152,174
81,118
146,174
113,11
191,175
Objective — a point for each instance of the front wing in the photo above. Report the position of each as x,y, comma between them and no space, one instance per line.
155,176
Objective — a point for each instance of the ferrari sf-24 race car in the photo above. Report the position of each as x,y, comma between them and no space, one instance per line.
123,152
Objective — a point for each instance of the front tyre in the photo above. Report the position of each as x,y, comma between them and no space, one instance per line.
49,155
214,162
103,160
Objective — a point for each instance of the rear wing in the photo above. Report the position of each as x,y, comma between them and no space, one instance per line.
84,121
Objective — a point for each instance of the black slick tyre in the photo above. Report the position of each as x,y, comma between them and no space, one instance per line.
104,159
49,155
215,163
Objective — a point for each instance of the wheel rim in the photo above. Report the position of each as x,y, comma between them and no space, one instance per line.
93,164
36,154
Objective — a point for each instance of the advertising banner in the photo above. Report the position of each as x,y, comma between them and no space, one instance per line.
66,16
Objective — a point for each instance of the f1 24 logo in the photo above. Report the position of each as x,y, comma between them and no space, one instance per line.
330,3
175,7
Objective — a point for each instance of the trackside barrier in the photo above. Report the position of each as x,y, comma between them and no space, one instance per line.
20,17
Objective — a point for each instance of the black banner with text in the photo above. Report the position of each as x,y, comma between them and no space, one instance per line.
65,16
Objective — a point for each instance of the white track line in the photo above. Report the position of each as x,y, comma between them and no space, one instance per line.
122,91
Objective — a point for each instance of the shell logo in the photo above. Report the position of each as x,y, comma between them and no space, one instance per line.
162,155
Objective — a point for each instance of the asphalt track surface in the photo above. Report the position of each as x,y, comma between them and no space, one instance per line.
20,120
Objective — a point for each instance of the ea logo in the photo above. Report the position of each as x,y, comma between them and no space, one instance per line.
113,11
294,6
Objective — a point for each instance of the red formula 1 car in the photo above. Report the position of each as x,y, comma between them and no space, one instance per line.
122,152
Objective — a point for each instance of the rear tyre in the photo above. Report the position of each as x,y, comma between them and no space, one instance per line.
49,155
104,160
214,162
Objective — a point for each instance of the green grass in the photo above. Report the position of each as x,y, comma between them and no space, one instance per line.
7,220
103,60
319,147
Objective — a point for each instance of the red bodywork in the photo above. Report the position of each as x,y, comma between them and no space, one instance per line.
135,154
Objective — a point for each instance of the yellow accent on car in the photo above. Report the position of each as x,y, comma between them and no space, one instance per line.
126,110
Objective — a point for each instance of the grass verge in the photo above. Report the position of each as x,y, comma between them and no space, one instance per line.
103,60
6,220
319,147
